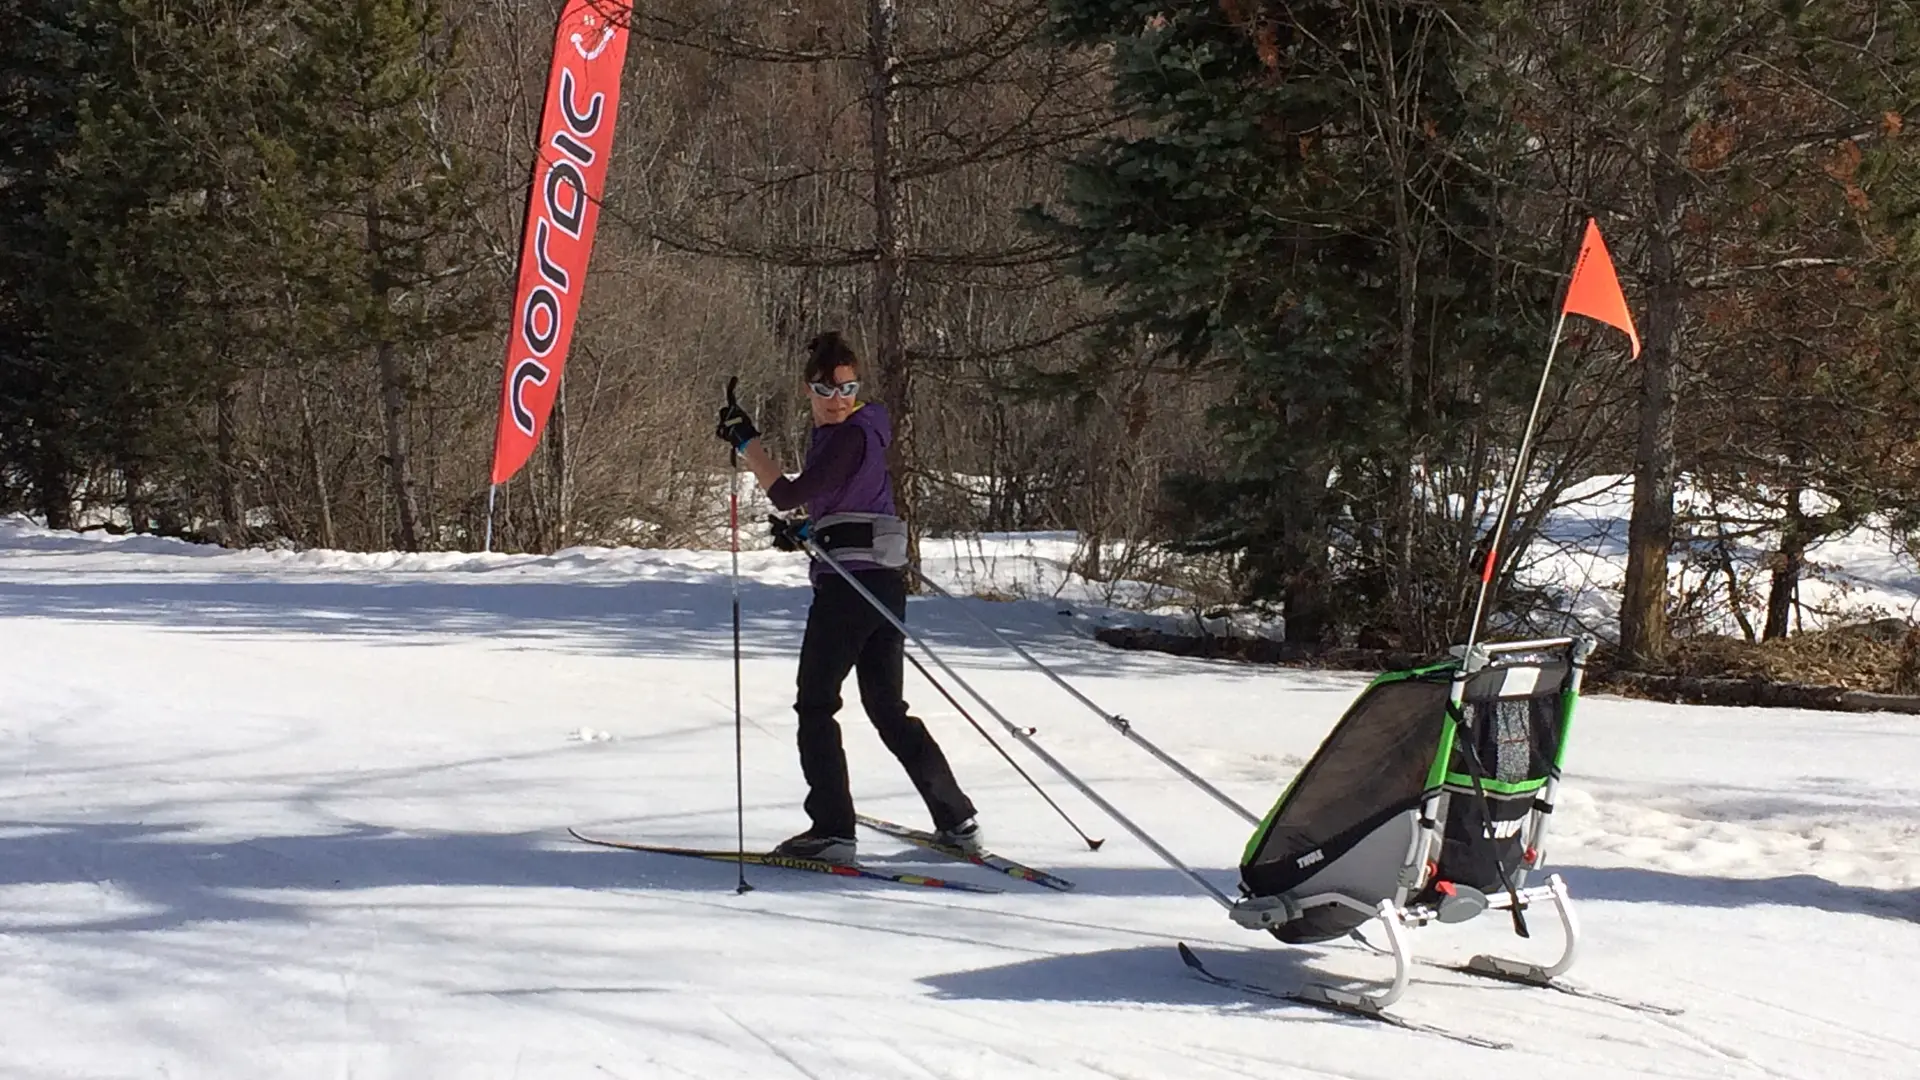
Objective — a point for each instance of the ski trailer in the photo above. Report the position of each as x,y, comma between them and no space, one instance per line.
1428,802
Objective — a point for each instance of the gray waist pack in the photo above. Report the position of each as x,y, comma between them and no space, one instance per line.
880,539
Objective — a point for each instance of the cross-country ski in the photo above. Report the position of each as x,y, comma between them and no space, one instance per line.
999,863
784,862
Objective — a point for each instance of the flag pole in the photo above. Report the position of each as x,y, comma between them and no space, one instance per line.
492,490
1467,662
1593,291
1513,488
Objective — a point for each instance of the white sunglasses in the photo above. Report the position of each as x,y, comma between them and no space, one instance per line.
846,389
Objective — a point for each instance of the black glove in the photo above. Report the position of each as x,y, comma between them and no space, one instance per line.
789,534
735,427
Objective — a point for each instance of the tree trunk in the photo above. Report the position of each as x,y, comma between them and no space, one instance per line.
889,265
53,485
393,395
1785,587
1736,600
1395,112
139,512
316,469
227,470
1643,604
1401,514
1308,616
1306,604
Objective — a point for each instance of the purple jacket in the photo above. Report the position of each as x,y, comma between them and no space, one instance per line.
845,472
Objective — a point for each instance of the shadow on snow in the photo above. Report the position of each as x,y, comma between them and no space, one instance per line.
186,880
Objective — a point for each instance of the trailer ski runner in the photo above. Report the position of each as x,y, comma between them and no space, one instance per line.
1296,997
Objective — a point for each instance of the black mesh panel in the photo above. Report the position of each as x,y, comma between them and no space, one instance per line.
1517,738
1511,728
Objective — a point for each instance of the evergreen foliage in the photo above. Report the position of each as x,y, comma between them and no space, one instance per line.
1314,204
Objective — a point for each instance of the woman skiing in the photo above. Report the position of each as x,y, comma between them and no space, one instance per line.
848,495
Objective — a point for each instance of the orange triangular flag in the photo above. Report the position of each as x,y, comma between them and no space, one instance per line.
1595,289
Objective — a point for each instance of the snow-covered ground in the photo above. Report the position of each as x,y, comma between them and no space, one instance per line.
274,814
1580,557
1856,576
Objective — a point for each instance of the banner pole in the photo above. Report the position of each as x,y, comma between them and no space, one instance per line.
492,490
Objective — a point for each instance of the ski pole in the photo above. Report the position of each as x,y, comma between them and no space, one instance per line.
739,769
1116,721
1092,844
1020,734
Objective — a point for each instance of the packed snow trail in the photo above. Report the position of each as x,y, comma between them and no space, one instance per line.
289,815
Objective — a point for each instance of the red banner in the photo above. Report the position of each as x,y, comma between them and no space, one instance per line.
569,176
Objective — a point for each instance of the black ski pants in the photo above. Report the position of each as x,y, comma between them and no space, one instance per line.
845,633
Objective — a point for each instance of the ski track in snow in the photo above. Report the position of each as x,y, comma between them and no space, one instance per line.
277,814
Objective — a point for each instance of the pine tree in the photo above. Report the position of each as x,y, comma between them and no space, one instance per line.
110,256
370,207
1306,203
126,262
43,66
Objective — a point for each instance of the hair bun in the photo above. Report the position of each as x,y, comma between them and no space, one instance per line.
828,352
825,342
